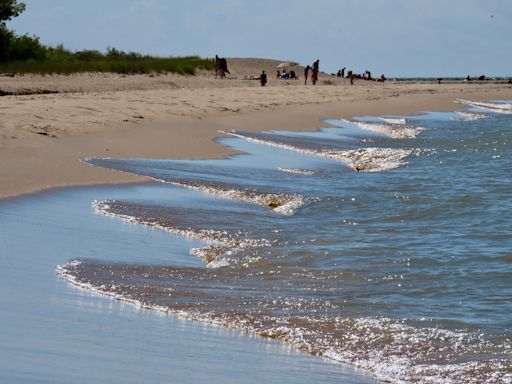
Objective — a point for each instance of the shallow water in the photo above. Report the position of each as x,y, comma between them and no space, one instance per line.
52,332
382,243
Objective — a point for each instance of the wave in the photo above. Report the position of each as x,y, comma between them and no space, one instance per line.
221,244
295,171
394,128
360,160
505,108
469,116
393,350
395,120
285,204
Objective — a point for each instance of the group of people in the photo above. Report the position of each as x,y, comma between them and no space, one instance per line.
314,68
286,75
221,67
367,75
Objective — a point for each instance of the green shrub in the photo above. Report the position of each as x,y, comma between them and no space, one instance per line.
60,60
5,40
88,55
26,47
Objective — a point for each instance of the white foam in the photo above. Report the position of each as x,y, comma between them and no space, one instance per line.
295,171
285,204
394,128
470,116
505,108
220,243
395,120
361,160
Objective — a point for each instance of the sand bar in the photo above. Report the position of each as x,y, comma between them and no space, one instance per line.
50,123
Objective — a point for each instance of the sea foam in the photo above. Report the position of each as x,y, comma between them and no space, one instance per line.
394,128
220,244
505,108
285,204
361,159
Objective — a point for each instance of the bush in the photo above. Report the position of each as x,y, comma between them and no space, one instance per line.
88,55
25,47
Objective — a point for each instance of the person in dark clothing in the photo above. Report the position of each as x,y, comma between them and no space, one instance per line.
217,65
223,68
314,76
263,78
306,73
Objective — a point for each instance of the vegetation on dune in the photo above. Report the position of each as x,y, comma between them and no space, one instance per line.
26,54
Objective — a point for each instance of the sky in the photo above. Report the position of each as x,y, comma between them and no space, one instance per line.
398,38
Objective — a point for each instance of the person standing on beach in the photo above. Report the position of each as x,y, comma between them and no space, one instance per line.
306,72
263,78
223,68
314,76
217,65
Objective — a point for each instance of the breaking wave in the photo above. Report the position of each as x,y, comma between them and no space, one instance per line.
285,204
394,128
221,244
360,160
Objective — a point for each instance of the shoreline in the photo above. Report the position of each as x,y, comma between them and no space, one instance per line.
44,138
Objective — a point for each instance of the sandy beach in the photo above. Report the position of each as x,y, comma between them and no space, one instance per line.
48,124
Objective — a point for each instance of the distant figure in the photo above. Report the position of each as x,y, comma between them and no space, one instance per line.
278,74
306,72
314,75
351,77
439,79
217,65
223,68
382,78
263,78
510,80
293,75
343,72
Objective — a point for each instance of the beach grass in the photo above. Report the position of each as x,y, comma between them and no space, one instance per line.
61,61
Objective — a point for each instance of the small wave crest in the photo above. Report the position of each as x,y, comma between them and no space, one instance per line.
505,108
285,204
469,116
394,128
220,244
360,160
395,120
295,171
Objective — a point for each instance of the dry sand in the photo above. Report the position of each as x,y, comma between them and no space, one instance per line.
52,122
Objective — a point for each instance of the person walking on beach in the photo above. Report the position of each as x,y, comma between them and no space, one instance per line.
263,78
314,75
306,72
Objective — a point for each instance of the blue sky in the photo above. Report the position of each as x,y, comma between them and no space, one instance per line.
394,37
